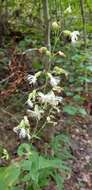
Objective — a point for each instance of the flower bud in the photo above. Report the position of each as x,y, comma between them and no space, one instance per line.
48,53
43,50
55,26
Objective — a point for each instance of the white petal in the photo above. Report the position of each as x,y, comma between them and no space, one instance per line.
68,10
74,36
50,98
54,81
30,103
36,113
28,136
32,79
22,133
16,129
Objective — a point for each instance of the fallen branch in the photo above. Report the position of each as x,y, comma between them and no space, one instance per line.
7,78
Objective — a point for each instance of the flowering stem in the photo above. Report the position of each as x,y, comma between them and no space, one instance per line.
56,40
43,126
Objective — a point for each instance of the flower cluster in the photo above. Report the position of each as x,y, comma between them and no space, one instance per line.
36,113
42,105
54,81
33,78
23,129
50,98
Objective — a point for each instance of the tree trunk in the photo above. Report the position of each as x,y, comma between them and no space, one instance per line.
47,24
83,20
84,36
3,21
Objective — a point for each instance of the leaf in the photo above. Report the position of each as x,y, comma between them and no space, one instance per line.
89,68
59,181
15,188
24,149
26,165
79,98
9,176
76,58
71,110
61,147
59,71
82,111
37,66
86,79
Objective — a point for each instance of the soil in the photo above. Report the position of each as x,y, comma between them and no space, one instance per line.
81,178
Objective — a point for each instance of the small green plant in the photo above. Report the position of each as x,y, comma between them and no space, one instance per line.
4,155
74,110
61,147
32,171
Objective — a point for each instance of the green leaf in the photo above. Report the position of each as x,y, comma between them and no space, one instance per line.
61,147
24,149
79,98
37,66
26,165
89,68
82,79
15,188
59,71
9,176
59,181
82,111
71,110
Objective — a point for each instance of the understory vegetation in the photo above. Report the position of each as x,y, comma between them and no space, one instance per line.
45,94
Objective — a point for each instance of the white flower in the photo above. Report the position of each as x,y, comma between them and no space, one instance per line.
30,103
37,113
68,10
50,98
32,79
54,81
22,132
74,36
23,129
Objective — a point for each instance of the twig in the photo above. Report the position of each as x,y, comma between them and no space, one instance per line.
10,114
7,78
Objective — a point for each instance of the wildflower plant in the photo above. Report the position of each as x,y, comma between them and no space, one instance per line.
33,171
43,105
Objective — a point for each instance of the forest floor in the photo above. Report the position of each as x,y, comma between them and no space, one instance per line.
81,178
